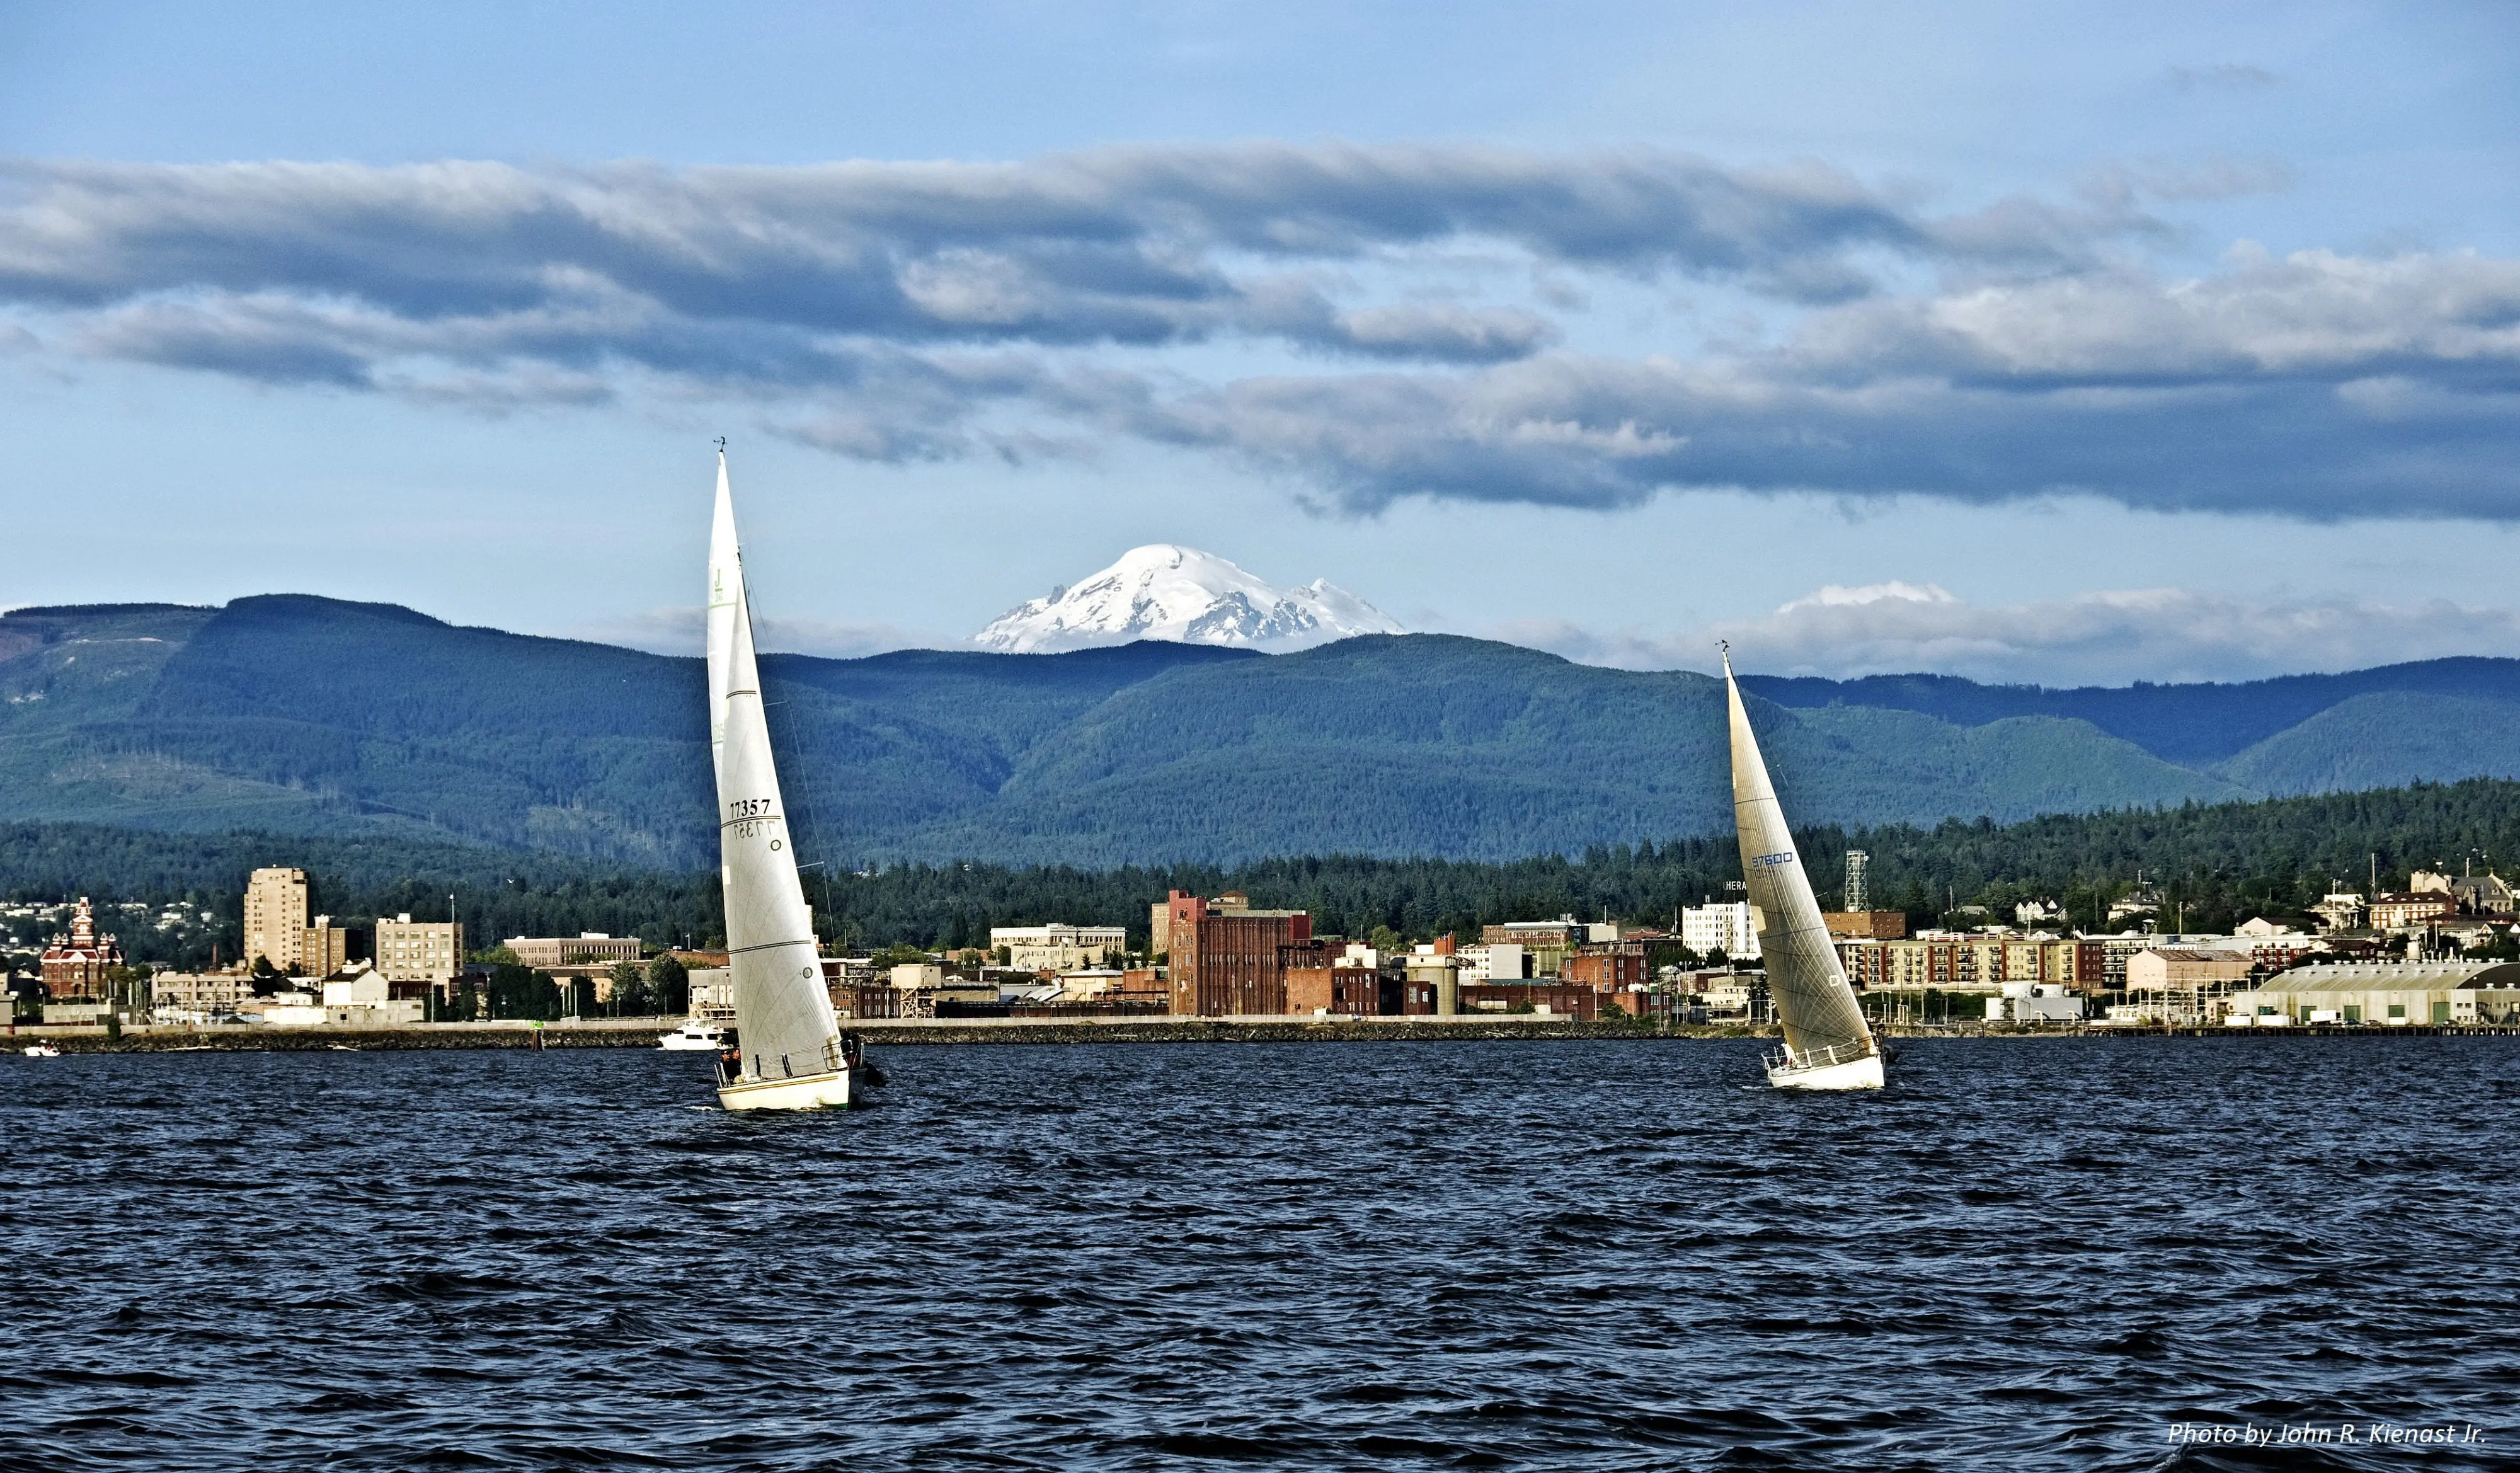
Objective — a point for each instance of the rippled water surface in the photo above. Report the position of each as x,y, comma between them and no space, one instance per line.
1557,1255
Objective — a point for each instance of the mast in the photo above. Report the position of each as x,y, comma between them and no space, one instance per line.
783,1013
1814,1002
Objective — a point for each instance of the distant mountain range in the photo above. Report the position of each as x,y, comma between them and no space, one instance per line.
304,715
1184,596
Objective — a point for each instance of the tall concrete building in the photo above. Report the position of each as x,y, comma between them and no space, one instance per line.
420,951
275,918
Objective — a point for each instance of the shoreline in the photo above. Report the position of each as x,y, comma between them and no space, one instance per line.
964,1032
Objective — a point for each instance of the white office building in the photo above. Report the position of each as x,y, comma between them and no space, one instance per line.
1723,927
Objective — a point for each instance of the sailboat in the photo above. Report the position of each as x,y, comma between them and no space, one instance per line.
1827,1045
789,1053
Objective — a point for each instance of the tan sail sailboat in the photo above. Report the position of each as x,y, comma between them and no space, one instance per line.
1827,1045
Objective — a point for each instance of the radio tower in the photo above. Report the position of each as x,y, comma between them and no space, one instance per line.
1856,899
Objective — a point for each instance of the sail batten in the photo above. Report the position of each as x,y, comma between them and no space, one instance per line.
783,1011
1814,1002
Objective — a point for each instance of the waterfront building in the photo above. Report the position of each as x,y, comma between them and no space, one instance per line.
2182,968
1354,981
2387,994
421,951
275,918
585,949
1709,928
1433,976
200,997
363,997
1223,956
1057,946
1546,999
81,963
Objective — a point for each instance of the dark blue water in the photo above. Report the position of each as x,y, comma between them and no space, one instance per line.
2024,1255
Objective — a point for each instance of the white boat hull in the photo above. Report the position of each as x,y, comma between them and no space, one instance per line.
1855,1074
693,1043
810,1091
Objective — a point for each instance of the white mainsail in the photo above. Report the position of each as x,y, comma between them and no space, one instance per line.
1827,1042
783,1013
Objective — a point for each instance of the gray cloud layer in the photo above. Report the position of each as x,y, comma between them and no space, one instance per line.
2104,639
891,310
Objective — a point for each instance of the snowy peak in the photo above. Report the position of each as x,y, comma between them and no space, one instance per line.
1184,595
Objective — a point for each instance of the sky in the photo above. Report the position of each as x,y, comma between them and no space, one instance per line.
2070,344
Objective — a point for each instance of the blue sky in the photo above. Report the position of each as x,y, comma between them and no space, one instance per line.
2046,343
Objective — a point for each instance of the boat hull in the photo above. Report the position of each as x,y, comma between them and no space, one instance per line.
1855,1074
810,1091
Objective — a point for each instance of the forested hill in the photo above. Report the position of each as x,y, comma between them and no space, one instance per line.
2221,863
301,715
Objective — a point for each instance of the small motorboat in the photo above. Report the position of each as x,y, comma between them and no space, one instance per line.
695,1037
42,1051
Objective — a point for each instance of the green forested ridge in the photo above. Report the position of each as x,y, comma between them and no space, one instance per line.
291,714
2194,725
2224,863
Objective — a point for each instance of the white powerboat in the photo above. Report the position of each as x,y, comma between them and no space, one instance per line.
42,1051
694,1037
788,1054
1827,1045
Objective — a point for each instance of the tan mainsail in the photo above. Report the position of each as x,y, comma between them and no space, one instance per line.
783,1011
1814,1002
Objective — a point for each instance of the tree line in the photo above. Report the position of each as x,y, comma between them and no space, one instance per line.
2213,865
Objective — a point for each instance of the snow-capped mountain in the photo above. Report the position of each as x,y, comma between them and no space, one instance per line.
1184,595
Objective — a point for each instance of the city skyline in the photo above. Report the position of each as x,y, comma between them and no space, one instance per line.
2071,349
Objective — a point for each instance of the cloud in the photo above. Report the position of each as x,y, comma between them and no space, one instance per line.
682,631
921,311
2106,639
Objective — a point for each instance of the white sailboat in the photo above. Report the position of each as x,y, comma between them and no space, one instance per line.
1827,1045
791,1054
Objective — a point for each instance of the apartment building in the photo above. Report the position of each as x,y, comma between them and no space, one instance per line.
421,951
275,918
1727,929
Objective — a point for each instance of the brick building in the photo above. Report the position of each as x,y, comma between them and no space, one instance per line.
1559,999
1872,926
1610,966
1352,980
77,966
1224,962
